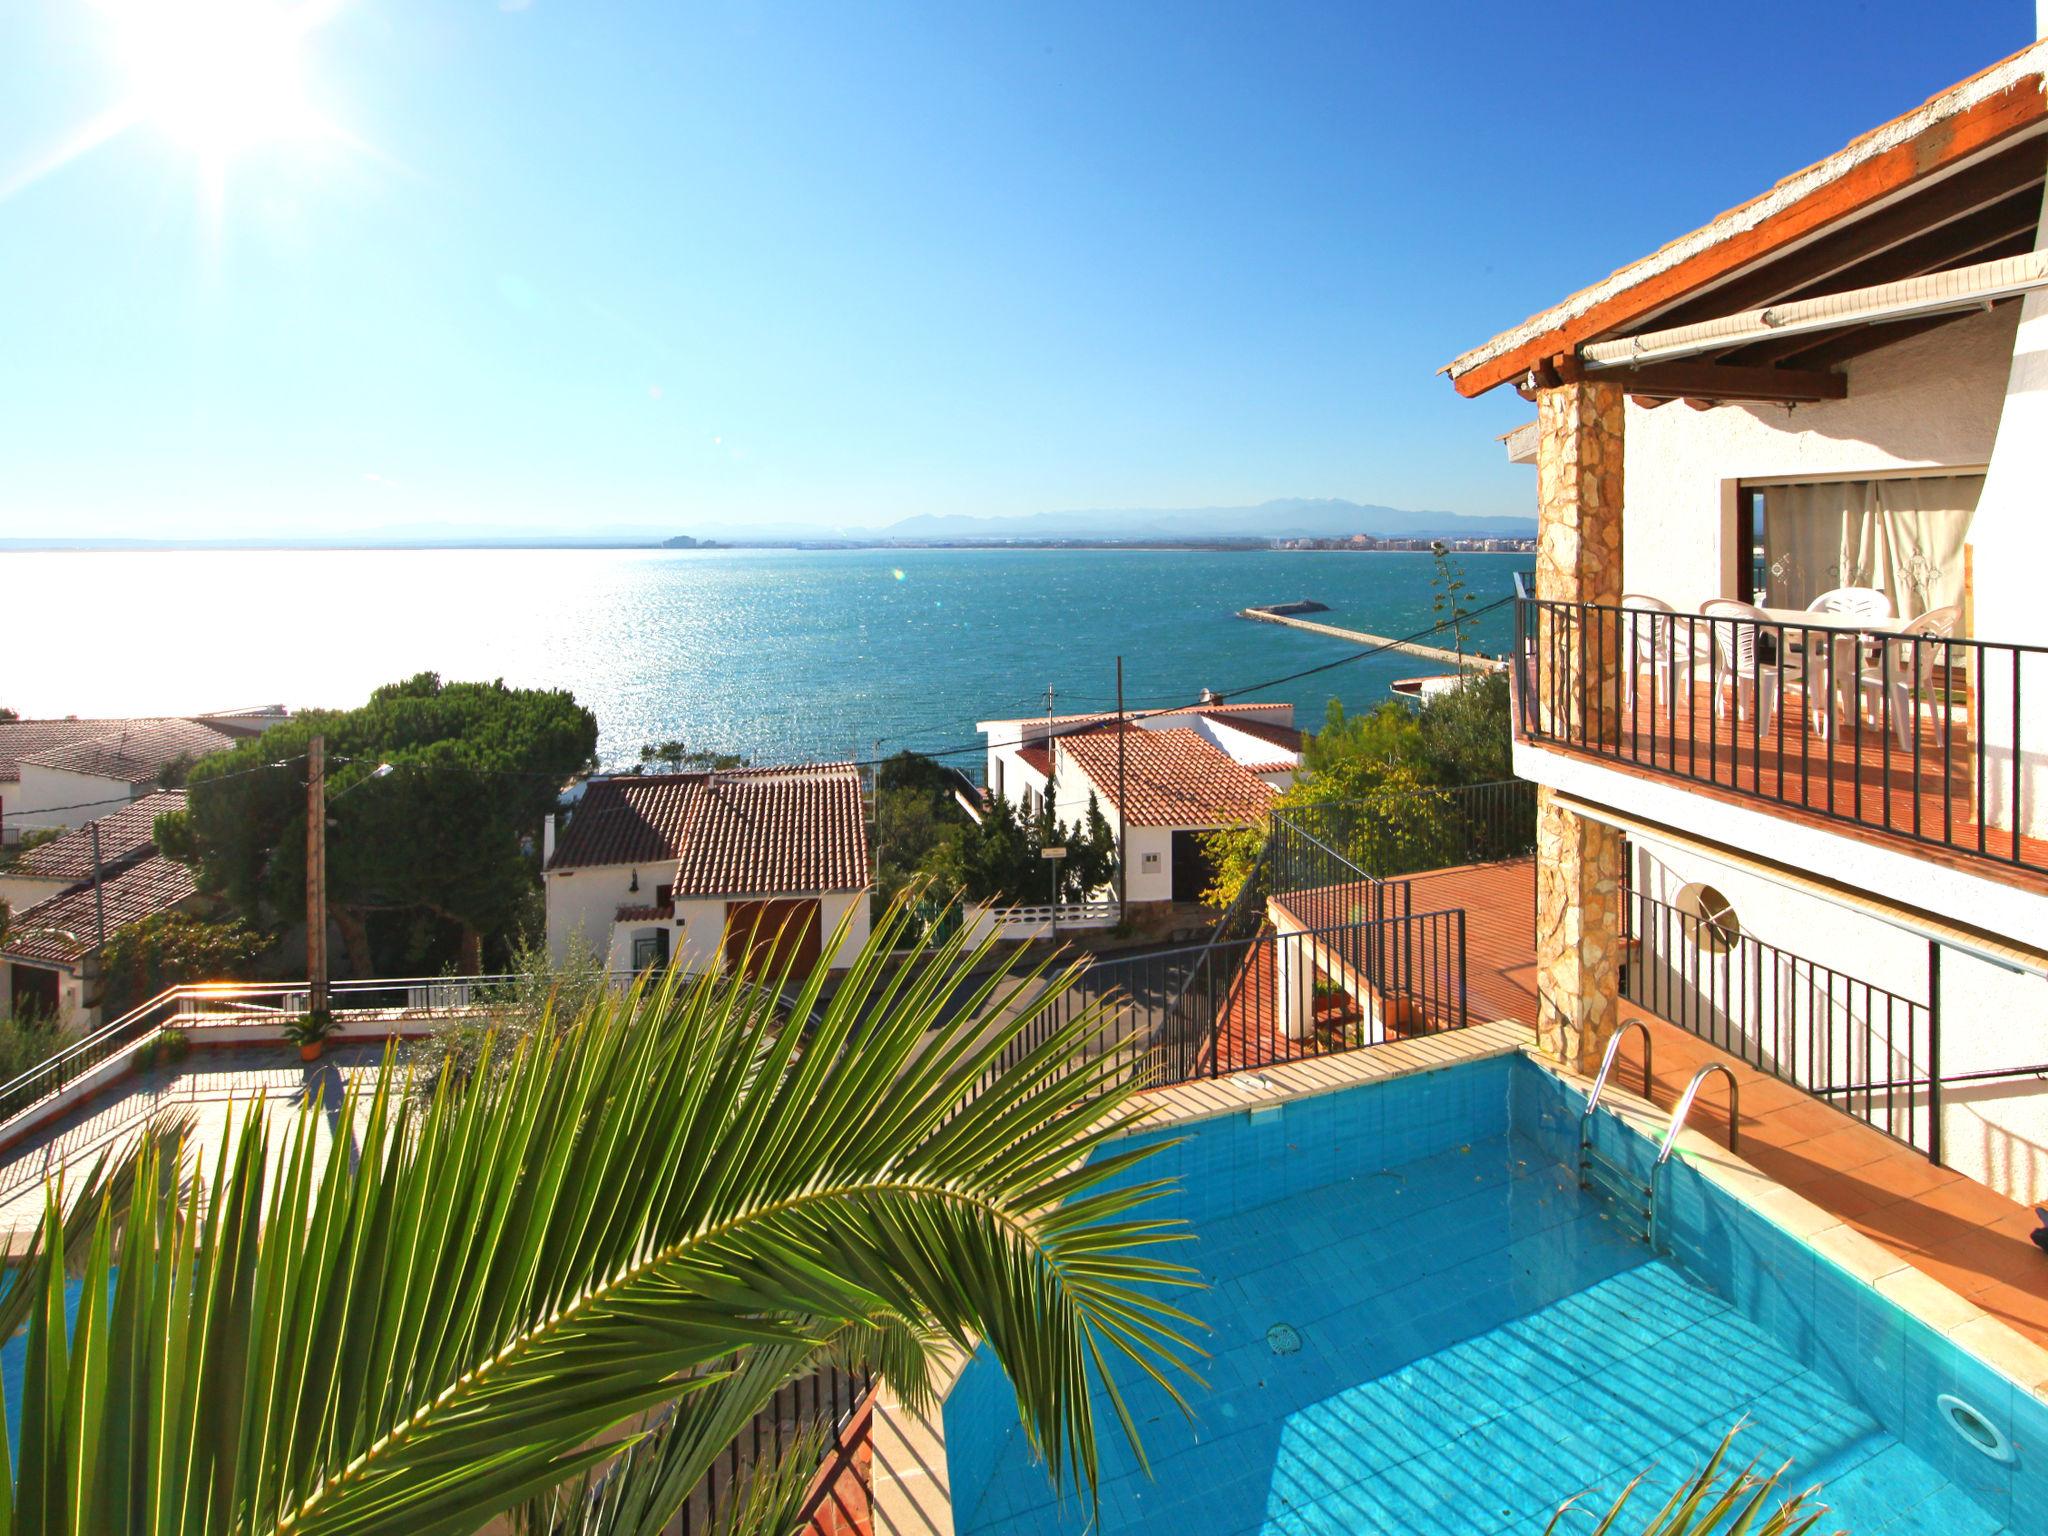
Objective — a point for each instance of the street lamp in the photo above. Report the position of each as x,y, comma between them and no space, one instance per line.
1055,854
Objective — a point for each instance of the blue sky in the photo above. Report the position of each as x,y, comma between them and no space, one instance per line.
570,263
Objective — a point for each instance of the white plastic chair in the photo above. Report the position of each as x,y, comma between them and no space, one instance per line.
1854,603
1755,679
1652,642
1906,670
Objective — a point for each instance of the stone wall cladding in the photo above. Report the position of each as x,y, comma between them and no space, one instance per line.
1579,872
1580,429
1578,932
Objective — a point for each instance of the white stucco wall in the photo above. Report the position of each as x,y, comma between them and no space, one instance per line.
1150,850
697,930
1991,1017
71,1007
56,797
1929,401
2010,534
585,901
20,893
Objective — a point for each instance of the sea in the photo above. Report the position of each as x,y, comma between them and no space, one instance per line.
780,655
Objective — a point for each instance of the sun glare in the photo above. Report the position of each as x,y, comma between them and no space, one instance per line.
217,75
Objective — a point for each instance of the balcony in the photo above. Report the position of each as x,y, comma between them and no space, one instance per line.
1917,739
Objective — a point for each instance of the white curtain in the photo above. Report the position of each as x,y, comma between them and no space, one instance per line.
1905,537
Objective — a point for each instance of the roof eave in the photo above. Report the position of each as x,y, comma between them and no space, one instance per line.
1992,106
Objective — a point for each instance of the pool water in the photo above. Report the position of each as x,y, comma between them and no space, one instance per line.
1419,1323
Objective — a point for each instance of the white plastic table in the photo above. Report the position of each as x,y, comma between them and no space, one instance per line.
1845,630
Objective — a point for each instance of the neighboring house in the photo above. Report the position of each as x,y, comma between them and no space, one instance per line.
59,915
123,836
1159,795
1185,771
686,868
1260,738
62,773
1841,871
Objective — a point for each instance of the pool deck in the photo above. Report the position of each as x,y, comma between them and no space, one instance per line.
215,1085
1969,1237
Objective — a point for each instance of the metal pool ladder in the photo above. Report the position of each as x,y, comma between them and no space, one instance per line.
1596,1169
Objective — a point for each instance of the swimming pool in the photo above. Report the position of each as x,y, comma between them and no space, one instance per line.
1420,1323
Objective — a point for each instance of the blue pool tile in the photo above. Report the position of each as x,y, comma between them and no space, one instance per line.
1480,1341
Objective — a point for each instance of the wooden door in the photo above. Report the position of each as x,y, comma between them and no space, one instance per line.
760,935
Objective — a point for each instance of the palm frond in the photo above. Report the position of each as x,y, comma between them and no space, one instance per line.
464,1315
1745,1505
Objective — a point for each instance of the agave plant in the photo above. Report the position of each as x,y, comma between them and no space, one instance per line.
1746,1504
671,1205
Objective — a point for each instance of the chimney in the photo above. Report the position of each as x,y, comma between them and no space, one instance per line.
547,840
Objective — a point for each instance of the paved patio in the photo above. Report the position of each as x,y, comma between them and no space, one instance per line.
208,1082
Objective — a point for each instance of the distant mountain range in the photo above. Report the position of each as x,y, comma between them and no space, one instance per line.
1293,517
1286,518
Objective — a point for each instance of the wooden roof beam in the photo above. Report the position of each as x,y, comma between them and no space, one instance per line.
1965,194
1721,381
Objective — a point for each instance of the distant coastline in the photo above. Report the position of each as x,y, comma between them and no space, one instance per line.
1295,522
1460,544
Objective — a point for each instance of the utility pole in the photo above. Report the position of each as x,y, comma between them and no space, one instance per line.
316,875
99,895
1123,890
99,916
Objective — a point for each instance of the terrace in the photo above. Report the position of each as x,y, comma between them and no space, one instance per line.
1916,739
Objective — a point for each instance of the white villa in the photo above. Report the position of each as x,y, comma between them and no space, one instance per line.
66,896
1783,679
63,773
1180,773
687,869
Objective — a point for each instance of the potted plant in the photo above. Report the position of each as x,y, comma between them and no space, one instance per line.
309,1032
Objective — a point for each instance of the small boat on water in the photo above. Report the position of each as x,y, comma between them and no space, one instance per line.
1429,687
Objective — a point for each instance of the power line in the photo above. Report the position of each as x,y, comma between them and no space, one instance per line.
1076,724
120,805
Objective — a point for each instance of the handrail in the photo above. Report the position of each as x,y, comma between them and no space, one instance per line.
1607,1066
1875,741
1692,1090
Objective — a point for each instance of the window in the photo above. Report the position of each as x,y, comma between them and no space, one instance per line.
1711,922
650,949
1902,534
664,895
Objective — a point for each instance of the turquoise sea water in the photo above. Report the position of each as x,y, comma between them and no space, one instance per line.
1474,1340
778,654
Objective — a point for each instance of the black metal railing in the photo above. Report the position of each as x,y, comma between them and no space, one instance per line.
1920,735
1420,830
1871,1052
1236,1005
828,1402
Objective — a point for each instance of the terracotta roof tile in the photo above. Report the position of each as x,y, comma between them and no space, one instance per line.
752,831
135,751
25,738
61,931
1035,758
1218,708
125,835
629,820
769,832
1171,778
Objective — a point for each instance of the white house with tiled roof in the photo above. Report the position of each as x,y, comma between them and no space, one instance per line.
1159,794
64,903
689,868
1259,737
63,773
